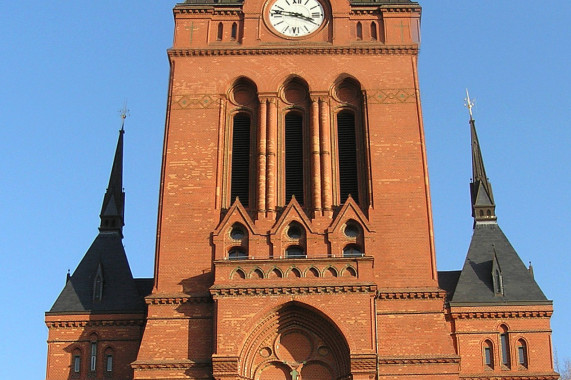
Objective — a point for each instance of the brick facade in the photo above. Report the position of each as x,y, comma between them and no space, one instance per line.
375,313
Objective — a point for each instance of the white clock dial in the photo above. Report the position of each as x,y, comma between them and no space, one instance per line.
296,18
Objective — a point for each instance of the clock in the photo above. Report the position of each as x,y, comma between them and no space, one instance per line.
296,18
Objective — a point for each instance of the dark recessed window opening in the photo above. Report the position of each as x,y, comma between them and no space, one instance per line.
373,31
240,186
488,355
93,357
348,178
237,232
295,252
294,157
359,31
234,31
76,363
352,250
352,230
109,363
220,31
237,254
294,231
522,353
505,349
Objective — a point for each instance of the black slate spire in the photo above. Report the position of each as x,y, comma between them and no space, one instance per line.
483,206
113,207
103,282
493,272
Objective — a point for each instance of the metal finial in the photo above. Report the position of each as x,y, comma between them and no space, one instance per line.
469,103
124,112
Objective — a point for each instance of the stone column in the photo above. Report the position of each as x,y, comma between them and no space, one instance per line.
315,157
271,146
261,156
326,176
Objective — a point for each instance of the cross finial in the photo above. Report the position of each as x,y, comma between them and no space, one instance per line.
469,103
124,112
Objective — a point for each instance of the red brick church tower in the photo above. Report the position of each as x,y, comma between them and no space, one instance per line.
295,238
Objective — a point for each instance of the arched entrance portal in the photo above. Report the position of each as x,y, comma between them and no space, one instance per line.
295,342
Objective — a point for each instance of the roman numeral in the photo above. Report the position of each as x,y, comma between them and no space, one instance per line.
316,14
296,1
295,29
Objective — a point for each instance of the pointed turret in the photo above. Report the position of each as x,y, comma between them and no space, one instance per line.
113,207
493,272
103,282
483,206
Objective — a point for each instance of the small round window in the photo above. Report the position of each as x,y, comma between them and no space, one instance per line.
294,231
352,230
237,233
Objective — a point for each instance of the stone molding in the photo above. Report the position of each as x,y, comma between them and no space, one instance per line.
341,50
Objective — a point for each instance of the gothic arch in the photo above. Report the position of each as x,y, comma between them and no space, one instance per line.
295,336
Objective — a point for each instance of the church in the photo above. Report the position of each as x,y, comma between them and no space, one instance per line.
294,235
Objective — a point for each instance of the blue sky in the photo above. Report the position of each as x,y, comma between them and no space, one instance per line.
66,69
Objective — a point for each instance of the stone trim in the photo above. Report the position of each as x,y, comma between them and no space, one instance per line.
291,290
347,50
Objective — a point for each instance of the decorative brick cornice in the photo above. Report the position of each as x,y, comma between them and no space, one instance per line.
205,9
410,294
389,360
363,363
340,50
225,366
527,376
100,323
501,314
177,299
290,290
169,364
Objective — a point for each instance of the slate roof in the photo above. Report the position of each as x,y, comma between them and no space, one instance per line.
475,284
120,291
447,280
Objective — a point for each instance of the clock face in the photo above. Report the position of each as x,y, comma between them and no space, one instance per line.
296,18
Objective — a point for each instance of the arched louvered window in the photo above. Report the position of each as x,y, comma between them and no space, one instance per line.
347,142
240,186
294,157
